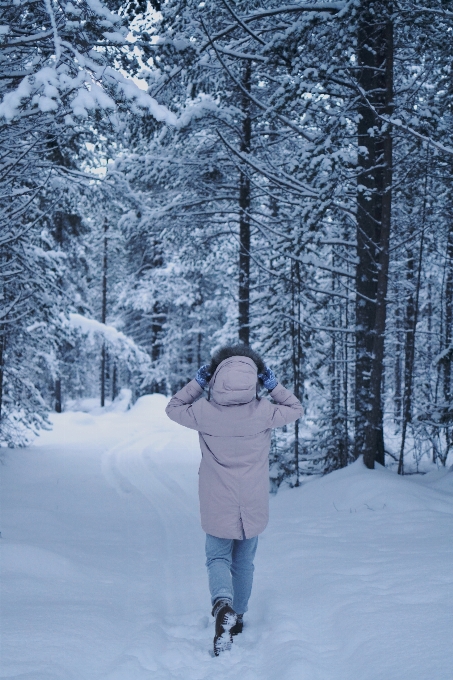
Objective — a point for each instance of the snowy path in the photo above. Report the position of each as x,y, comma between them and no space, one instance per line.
104,579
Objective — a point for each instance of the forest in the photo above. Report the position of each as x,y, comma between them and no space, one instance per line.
180,175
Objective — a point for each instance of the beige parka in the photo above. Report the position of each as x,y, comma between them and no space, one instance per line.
234,428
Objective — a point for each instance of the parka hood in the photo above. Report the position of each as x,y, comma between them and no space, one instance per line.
234,381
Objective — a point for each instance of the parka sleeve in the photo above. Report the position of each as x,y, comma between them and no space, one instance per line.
179,408
287,408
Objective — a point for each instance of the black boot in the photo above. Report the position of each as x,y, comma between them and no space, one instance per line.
225,620
239,625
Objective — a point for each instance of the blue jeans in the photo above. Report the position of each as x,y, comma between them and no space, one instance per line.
230,569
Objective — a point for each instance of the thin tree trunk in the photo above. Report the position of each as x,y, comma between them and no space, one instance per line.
244,218
60,221
199,337
297,354
345,388
114,381
336,438
448,331
2,365
58,408
412,319
103,375
397,401
408,344
429,395
104,310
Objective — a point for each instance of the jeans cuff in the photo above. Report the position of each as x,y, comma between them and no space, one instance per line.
222,595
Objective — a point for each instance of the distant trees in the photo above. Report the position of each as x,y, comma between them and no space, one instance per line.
58,65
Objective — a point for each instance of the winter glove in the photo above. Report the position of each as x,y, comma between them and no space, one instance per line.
203,376
268,378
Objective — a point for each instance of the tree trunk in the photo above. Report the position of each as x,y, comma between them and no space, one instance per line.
411,328
58,395
334,370
114,381
297,354
397,398
61,220
2,365
412,318
104,310
345,447
244,218
448,315
375,61
409,341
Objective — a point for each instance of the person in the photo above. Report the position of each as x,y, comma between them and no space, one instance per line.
234,427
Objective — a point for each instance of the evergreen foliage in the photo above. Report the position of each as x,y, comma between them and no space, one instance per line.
284,182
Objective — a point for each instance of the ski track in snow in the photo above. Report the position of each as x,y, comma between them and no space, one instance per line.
104,578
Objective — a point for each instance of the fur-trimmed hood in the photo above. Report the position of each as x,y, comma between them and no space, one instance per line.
229,351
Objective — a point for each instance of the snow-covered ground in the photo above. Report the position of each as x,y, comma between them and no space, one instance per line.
103,571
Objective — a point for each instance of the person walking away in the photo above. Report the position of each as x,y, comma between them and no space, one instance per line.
234,427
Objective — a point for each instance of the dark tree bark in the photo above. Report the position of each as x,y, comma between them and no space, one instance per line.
104,309
446,332
244,217
158,319
344,453
409,346
409,359
297,354
114,381
412,310
448,314
2,364
397,399
375,79
58,408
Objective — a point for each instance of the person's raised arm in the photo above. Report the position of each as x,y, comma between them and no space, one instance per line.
287,408
179,408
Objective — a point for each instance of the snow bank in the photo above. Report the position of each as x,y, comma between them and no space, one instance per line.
356,489
91,404
104,577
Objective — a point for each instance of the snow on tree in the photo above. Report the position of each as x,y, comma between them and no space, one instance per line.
290,190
